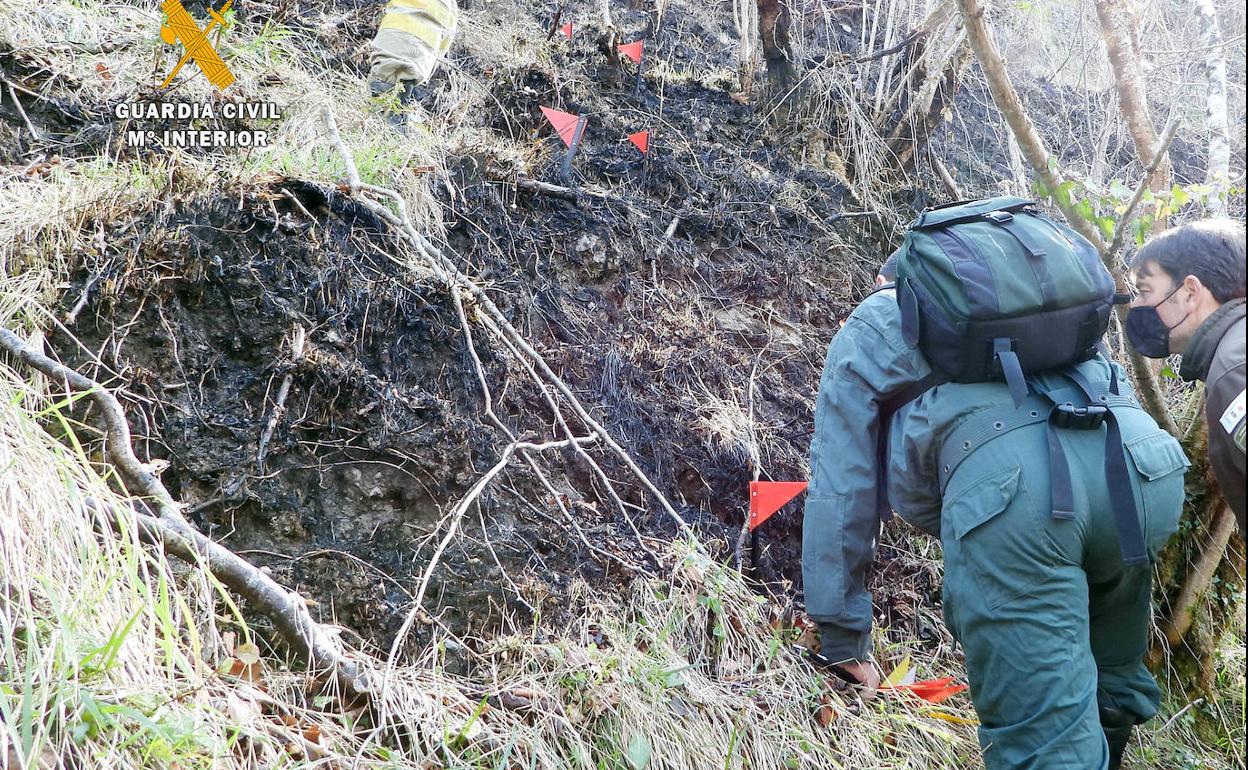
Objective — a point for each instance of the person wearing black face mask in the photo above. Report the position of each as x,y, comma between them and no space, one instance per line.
1191,287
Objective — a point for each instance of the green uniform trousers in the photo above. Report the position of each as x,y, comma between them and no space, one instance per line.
1052,622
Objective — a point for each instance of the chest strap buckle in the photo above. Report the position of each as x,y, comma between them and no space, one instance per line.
1074,417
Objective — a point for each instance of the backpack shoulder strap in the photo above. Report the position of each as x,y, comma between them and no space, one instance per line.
888,408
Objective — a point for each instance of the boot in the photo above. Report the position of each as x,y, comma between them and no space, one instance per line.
391,100
1117,725
402,103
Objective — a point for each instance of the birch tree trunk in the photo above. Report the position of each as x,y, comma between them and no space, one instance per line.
745,16
1216,123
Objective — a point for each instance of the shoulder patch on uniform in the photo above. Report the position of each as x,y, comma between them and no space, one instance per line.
1234,413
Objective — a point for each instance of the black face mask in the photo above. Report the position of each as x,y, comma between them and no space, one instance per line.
1149,334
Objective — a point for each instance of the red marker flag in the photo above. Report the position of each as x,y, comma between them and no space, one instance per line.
641,140
767,497
564,123
632,50
931,690
566,29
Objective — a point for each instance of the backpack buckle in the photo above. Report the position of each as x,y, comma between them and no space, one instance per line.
999,217
1074,417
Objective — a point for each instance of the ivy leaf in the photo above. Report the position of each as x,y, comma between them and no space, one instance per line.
1119,190
1169,373
1086,210
1179,196
1140,229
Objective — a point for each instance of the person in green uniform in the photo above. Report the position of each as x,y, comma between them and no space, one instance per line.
1190,300
1053,622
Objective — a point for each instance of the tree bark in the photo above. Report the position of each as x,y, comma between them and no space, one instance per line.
1118,31
1216,123
774,22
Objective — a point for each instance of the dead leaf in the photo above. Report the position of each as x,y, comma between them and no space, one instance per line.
242,711
826,714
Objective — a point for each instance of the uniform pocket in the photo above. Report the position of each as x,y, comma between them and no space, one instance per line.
1159,459
995,542
981,502
1157,454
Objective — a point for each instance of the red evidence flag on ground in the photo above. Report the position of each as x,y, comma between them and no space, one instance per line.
566,29
641,140
931,690
767,497
564,123
632,50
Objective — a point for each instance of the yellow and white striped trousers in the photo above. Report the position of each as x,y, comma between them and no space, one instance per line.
412,38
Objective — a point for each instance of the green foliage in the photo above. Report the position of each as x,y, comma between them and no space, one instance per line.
1104,205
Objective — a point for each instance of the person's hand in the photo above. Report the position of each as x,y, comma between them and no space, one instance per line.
865,673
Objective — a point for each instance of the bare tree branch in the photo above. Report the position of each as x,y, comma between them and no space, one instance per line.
315,643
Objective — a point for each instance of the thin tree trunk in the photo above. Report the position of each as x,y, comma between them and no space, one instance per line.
1216,122
774,22
1118,31
1200,577
745,15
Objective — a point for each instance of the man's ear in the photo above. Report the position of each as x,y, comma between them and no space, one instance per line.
1195,289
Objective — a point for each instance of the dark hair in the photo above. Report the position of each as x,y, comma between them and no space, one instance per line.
889,268
1211,250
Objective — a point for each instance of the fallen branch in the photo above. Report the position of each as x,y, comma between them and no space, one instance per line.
558,191
315,643
34,134
955,192
906,42
456,516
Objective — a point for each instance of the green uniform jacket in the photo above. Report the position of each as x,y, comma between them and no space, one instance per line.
1215,354
867,363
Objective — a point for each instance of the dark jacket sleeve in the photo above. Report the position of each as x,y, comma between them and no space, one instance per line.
867,362
1226,413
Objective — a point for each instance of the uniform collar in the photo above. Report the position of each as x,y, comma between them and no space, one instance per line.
1204,343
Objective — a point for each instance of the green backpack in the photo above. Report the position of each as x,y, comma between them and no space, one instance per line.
995,290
